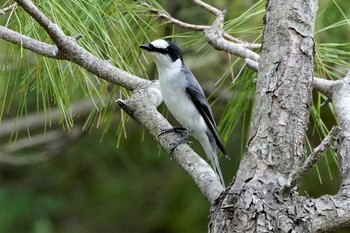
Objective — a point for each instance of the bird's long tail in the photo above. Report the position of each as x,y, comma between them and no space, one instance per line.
215,163
209,146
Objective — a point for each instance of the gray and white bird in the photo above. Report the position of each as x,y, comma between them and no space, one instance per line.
185,99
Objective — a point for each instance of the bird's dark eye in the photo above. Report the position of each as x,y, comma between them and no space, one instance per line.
161,50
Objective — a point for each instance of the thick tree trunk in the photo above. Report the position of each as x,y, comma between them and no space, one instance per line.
257,201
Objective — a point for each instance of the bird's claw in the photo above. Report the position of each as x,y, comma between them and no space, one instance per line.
183,139
173,145
175,129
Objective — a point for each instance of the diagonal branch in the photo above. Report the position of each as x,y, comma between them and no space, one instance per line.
317,153
139,108
319,84
208,7
29,43
215,35
52,29
68,49
7,9
166,16
142,108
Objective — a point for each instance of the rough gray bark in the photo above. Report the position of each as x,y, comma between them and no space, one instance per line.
284,85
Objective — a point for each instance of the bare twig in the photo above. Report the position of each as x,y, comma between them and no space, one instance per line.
7,9
195,27
319,84
316,154
252,64
150,118
208,7
215,35
168,17
182,24
29,43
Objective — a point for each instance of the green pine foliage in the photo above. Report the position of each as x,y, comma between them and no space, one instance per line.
111,30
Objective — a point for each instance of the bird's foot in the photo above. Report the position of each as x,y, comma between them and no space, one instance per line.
185,135
179,142
175,129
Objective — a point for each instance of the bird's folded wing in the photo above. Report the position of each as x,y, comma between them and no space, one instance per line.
197,96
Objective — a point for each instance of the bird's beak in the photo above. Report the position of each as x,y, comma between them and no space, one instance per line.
146,47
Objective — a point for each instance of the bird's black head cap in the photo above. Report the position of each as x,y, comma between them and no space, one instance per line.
164,47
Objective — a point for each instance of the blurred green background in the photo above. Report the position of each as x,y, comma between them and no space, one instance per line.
112,176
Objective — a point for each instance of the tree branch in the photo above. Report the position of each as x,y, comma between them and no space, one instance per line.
29,43
7,9
34,141
169,18
314,157
152,120
52,29
215,35
166,16
252,64
328,213
208,7
340,96
323,85
319,84
139,108
68,49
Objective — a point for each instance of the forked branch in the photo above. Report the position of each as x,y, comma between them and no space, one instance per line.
166,16
314,157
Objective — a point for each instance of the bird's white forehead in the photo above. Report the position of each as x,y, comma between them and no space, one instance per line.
160,43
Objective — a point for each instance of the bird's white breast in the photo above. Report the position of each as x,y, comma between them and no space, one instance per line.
172,86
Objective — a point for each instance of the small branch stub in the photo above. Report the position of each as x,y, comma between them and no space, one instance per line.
78,37
314,157
7,9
